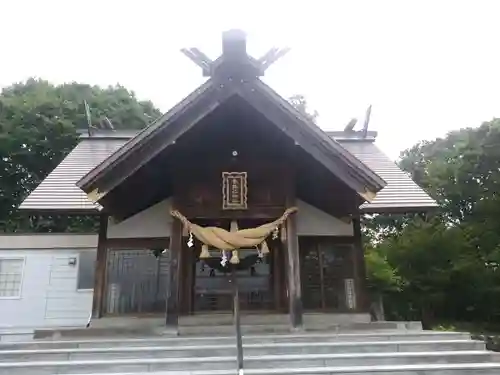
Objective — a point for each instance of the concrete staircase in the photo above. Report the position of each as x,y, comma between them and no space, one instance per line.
382,352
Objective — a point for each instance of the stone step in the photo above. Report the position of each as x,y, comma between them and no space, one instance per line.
309,362
228,330
446,369
248,339
308,318
312,326
260,349
216,325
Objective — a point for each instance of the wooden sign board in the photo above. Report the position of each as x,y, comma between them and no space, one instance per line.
234,191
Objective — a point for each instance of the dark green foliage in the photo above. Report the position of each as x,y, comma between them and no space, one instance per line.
38,127
448,263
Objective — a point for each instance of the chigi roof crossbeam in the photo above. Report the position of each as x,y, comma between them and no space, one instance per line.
234,53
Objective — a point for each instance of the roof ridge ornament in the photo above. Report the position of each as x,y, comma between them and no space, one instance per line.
234,58
363,133
104,124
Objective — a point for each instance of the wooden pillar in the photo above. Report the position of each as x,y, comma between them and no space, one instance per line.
278,277
292,244
293,273
362,300
172,318
188,279
98,299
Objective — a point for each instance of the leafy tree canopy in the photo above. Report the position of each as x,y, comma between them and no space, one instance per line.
449,261
39,124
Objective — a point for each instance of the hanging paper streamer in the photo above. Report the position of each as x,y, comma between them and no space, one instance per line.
223,261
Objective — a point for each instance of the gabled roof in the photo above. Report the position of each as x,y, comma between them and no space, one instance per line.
100,164
141,138
233,74
59,193
166,130
401,194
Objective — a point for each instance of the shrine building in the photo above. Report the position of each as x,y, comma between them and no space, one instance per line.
232,155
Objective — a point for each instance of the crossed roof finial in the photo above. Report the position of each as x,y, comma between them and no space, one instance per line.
234,54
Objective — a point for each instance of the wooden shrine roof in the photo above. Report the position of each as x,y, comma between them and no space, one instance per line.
100,165
58,192
234,75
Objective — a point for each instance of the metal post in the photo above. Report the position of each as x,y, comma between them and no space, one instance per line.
237,323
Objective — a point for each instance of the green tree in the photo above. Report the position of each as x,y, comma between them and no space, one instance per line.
450,262
382,276
444,265
39,124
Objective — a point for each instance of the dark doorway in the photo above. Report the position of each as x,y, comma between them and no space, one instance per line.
212,290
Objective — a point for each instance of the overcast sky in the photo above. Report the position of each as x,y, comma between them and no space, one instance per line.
427,67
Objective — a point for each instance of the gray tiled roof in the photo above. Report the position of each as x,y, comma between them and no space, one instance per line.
59,191
401,191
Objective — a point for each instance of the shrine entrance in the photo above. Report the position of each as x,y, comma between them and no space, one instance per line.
260,278
212,290
234,154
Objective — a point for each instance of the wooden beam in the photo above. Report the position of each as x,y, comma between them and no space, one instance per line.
321,275
172,318
269,212
293,273
362,298
137,243
190,280
186,267
292,249
278,278
98,300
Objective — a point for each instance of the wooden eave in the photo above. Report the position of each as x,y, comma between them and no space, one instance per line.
328,148
169,127
148,135
400,210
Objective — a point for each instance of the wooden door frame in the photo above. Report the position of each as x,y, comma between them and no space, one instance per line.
277,280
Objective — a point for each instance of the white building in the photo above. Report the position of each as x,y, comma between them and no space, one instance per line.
46,280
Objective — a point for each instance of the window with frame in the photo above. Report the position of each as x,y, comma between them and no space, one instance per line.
86,269
11,275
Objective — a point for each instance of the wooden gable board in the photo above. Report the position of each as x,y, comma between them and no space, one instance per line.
147,144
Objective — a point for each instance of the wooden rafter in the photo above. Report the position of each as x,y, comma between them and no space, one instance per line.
199,58
273,55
